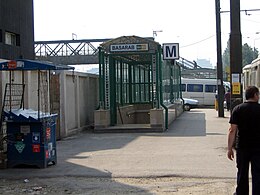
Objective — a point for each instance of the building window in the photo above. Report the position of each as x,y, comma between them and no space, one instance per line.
18,40
10,38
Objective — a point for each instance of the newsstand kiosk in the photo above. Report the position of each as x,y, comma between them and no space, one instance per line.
30,135
32,140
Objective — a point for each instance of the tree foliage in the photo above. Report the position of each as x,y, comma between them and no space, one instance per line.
248,55
226,56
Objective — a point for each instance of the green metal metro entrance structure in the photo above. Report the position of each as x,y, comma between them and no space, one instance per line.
136,85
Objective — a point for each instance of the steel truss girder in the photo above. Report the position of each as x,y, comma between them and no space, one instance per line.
66,48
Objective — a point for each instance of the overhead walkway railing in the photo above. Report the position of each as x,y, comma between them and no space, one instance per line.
190,69
68,52
187,64
67,47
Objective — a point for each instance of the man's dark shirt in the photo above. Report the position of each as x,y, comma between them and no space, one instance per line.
247,117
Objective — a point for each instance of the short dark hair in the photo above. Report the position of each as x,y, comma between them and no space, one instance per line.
251,91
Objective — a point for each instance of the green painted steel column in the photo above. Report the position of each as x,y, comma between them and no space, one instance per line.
150,83
145,86
130,83
160,80
180,91
121,83
139,83
101,79
171,84
179,81
133,85
176,76
157,80
112,81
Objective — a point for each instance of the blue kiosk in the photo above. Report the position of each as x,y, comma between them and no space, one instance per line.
30,135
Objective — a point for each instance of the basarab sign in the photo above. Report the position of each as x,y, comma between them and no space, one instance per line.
129,47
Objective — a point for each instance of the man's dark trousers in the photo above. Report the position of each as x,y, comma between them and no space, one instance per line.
244,157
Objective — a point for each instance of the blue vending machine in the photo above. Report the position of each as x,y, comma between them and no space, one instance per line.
31,138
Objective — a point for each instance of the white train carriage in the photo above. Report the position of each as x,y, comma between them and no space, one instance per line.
251,74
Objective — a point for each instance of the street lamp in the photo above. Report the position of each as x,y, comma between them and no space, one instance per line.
155,33
74,36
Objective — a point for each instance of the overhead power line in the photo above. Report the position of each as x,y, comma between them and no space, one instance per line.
198,41
243,10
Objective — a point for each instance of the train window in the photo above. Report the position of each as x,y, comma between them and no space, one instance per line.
210,88
195,88
253,78
183,87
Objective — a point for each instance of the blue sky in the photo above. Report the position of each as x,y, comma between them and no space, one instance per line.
188,22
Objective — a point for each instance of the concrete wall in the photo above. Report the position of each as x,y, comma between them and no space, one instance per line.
174,111
78,97
79,100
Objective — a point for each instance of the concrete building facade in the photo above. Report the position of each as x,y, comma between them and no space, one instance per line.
16,29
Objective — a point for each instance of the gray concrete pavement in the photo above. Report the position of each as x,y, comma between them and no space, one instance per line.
194,146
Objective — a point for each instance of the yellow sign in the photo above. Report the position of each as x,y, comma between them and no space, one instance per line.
236,88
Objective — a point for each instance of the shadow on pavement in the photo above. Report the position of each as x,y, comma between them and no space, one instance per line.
75,153
192,123
73,156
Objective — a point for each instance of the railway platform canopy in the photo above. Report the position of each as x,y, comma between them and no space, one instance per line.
137,87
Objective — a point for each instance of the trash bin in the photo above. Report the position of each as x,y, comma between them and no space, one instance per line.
31,138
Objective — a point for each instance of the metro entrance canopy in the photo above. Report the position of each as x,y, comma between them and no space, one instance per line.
134,80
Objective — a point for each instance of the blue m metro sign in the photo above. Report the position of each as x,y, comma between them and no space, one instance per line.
170,51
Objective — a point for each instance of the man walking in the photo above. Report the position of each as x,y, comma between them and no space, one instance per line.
227,97
245,130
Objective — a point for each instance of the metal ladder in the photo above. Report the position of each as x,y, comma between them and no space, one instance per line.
107,84
13,99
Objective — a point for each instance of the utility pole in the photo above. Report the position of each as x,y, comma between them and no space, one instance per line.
235,54
219,62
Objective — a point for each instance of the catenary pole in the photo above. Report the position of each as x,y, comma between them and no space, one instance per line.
220,97
235,53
